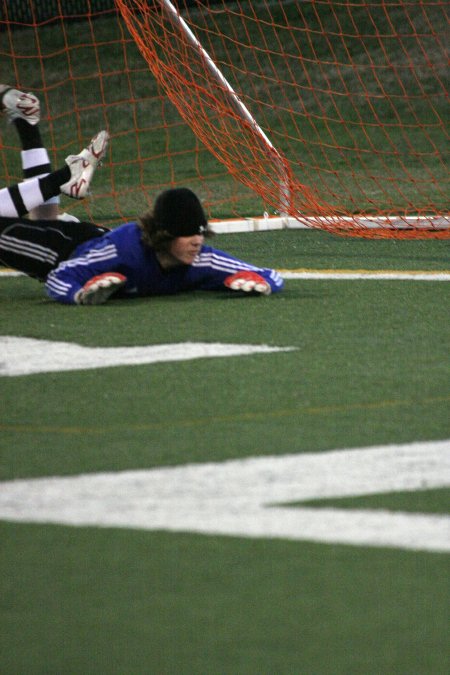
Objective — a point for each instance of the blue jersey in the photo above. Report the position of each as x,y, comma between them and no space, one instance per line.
121,250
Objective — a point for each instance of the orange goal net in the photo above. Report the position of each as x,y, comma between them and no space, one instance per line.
330,114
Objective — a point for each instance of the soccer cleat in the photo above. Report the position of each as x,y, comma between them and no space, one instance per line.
96,149
18,105
83,165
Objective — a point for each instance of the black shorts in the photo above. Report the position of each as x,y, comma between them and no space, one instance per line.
36,247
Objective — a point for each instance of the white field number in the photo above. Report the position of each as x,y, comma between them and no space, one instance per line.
252,497
27,356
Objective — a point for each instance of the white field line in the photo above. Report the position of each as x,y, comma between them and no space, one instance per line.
26,356
336,274
245,497
7,272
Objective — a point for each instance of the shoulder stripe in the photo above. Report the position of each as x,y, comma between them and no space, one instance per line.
108,252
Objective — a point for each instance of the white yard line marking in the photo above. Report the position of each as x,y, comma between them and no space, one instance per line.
245,497
25,356
6,272
396,275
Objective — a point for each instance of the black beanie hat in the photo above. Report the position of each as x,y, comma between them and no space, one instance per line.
179,212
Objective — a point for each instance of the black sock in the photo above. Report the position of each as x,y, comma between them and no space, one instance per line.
29,134
50,185
30,137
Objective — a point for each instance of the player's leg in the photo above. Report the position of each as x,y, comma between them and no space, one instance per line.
23,112
36,247
73,180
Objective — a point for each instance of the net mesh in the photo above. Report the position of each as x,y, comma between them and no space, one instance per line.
333,113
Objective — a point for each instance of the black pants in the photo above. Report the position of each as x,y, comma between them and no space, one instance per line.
36,247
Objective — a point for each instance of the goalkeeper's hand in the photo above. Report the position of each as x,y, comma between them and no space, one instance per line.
249,282
99,289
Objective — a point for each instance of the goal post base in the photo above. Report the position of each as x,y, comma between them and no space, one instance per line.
362,226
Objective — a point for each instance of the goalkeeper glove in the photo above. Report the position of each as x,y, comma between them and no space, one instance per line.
99,289
248,282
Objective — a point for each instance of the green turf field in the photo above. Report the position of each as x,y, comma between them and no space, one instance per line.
370,367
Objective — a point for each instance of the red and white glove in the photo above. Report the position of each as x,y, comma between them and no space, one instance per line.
249,282
99,289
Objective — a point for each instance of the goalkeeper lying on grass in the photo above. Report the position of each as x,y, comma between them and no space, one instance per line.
85,264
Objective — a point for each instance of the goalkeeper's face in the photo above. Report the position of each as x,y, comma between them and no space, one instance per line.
186,249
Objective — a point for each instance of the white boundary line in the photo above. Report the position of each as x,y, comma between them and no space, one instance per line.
396,275
6,272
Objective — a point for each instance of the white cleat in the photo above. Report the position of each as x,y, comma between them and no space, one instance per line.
17,105
83,166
